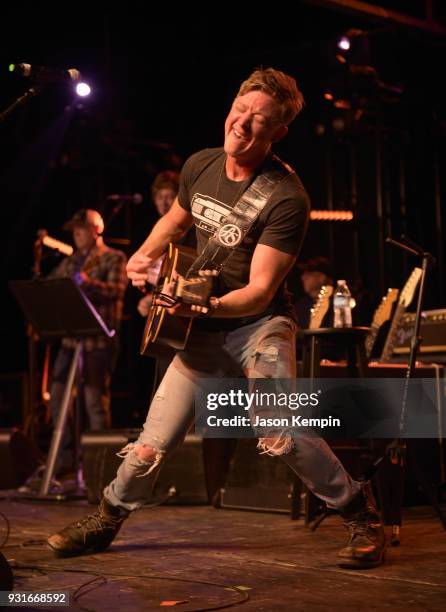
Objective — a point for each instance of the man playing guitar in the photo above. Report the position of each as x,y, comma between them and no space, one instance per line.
248,325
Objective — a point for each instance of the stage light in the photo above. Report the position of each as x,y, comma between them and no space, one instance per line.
341,59
349,41
343,104
331,215
344,43
83,90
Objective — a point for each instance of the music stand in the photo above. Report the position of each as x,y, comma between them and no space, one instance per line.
58,308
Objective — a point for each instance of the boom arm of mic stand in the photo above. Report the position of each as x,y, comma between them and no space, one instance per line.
32,91
114,211
403,246
412,248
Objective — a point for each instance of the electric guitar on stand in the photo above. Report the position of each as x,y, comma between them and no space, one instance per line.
321,307
382,314
406,298
171,269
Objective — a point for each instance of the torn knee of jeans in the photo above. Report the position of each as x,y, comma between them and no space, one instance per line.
151,460
126,450
267,352
266,360
276,446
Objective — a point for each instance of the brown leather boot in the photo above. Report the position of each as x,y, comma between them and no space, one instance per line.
366,540
93,533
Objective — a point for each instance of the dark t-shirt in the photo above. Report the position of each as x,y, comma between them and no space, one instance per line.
209,195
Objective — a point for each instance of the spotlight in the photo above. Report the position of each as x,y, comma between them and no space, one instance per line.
344,43
83,90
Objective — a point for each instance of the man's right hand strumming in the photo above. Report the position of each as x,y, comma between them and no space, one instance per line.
142,269
138,267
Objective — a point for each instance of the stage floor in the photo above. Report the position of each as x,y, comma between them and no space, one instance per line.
198,555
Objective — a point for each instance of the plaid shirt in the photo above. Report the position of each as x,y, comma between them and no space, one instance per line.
105,286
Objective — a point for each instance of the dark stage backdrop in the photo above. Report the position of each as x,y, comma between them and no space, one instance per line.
162,83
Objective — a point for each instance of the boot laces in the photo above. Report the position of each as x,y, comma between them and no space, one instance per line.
360,523
97,522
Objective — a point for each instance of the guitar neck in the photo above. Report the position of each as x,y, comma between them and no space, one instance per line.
321,307
371,339
392,336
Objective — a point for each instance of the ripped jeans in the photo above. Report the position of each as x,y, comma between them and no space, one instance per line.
263,349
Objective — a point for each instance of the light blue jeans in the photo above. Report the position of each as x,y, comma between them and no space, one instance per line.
263,349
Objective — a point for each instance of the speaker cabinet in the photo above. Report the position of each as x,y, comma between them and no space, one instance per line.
18,458
181,479
259,482
99,459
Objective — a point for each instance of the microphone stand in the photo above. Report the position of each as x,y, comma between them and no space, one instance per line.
114,211
118,206
398,451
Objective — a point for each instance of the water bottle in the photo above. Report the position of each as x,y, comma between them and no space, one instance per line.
342,305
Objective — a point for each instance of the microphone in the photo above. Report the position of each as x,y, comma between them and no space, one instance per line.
43,74
136,198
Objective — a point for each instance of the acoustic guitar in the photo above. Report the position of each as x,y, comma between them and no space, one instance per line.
162,328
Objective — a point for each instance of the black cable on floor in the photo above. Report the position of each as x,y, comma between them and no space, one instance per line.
103,577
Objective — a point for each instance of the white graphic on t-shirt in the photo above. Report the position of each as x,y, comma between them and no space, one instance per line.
208,212
229,235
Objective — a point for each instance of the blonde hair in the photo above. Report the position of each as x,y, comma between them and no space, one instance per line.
282,87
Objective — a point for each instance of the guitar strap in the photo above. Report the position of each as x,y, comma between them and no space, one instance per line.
234,227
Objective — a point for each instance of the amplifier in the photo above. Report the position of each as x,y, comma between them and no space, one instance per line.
19,458
99,459
377,369
258,482
432,330
181,479
261,483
